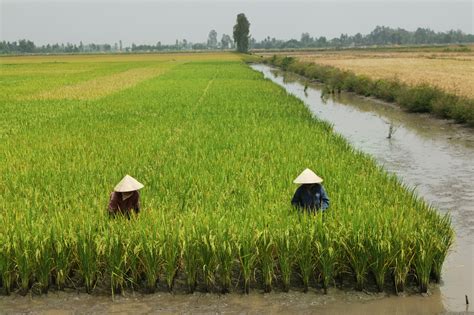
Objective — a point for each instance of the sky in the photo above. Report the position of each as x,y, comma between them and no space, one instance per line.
147,21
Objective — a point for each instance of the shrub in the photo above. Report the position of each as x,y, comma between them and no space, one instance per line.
387,90
418,99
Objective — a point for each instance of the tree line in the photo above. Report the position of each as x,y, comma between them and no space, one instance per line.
24,46
242,41
380,36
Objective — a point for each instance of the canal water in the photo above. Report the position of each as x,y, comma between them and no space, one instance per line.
433,156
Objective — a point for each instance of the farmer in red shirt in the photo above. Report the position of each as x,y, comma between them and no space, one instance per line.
125,197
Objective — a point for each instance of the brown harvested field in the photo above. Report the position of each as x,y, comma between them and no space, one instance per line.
451,71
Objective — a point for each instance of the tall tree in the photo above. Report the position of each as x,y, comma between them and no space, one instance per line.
306,39
241,33
225,41
212,40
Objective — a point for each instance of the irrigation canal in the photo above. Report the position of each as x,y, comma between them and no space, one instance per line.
433,156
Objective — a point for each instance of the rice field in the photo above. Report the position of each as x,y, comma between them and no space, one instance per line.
217,147
449,71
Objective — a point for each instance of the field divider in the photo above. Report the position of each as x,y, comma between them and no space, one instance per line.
207,88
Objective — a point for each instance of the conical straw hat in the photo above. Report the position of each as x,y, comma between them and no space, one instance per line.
308,177
128,183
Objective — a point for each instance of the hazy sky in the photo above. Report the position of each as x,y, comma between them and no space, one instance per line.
146,21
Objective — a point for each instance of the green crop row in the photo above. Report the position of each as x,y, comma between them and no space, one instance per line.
217,147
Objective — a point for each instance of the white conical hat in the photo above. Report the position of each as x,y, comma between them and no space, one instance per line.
308,177
128,183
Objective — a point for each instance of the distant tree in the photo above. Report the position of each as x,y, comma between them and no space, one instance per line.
358,39
26,46
306,39
199,46
241,33
226,41
292,43
212,40
252,42
322,41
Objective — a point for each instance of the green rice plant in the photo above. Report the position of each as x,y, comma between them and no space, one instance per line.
225,253
248,254
133,263
403,256
381,256
24,260
43,259
425,251
170,252
304,240
444,242
62,252
356,247
266,249
7,263
285,251
326,252
190,257
207,256
115,251
151,258
88,253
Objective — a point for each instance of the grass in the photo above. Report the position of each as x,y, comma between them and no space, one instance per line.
217,147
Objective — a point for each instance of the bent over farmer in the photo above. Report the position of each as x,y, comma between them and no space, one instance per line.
310,196
125,197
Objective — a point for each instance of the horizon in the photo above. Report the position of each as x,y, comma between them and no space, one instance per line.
147,22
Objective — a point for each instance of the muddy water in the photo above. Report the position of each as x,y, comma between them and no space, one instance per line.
337,302
429,154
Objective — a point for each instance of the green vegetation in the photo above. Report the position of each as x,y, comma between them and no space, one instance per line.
217,147
420,98
241,33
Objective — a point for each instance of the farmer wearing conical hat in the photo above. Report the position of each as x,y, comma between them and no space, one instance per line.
310,196
125,197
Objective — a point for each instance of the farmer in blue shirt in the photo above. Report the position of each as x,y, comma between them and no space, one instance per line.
310,196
